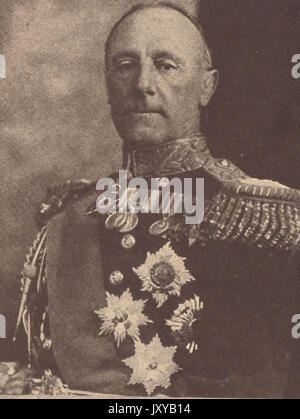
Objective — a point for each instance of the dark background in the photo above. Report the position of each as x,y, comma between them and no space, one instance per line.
254,118
55,123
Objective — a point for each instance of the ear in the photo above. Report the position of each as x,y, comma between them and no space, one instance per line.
210,81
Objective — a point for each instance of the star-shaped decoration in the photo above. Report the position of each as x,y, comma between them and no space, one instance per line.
185,323
152,365
163,274
123,316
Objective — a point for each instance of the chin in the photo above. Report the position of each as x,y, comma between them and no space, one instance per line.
139,136
146,137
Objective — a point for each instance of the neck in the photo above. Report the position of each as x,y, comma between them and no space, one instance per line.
169,158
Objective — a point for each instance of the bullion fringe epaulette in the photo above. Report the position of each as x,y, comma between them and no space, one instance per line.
58,196
259,212
248,210
245,210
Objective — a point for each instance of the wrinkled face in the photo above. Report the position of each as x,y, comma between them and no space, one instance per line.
156,77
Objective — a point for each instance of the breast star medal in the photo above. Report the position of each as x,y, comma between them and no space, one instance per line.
163,274
122,317
152,365
185,323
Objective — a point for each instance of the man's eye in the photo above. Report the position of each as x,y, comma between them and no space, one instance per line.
166,65
125,66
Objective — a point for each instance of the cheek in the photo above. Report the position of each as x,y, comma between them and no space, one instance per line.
184,95
186,90
119,91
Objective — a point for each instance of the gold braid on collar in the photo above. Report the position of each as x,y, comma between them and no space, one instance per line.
170,158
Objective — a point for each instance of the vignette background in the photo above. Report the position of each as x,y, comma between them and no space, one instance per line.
55,123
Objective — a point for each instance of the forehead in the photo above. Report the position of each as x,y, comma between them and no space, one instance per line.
156,28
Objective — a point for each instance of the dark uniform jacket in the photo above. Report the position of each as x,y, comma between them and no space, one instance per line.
144,304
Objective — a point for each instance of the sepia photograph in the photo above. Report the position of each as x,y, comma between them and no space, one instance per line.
150,211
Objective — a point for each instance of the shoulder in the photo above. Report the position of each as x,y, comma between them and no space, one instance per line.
250,210
223,170
263,189
235,180
59,196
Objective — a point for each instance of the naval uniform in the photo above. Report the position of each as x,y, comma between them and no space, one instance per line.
144,304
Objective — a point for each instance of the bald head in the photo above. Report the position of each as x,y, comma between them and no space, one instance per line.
184,18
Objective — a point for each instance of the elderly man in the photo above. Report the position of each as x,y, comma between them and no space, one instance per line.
142,304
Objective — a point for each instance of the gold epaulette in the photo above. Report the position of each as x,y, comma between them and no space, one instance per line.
254,211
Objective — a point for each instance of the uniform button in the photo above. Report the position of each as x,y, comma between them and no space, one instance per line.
116,278
128,241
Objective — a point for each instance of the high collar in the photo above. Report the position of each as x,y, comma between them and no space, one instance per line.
174,157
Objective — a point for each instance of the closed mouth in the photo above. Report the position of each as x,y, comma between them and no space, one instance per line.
144,112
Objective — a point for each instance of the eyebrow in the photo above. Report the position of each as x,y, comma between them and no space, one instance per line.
161,54
158,55
125,53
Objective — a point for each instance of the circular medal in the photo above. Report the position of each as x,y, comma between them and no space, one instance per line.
128,242
116,277
158,228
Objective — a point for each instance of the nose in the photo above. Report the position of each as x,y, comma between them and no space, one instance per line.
145,82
